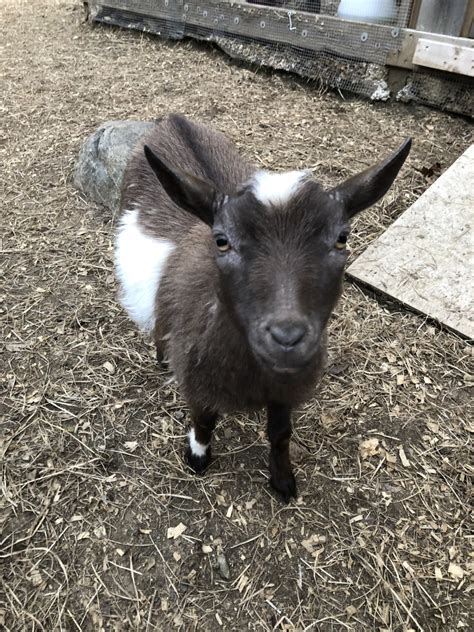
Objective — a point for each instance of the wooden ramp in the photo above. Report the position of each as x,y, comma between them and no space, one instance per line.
426,258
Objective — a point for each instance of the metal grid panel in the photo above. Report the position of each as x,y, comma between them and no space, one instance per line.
302,36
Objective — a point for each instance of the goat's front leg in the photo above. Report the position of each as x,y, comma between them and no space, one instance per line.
198,449
279,432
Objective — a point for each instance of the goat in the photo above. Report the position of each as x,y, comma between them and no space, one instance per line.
235,273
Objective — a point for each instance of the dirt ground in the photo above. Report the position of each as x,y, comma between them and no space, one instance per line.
93,432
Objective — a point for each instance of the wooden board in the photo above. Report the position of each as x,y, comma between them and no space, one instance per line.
375,43
415,12
305,31
468,22
426,258
441,16
447,57
404,56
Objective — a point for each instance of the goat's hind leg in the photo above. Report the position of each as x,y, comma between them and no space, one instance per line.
161,358
198,448
160,350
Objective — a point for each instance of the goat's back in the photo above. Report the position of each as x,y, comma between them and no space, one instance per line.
190,147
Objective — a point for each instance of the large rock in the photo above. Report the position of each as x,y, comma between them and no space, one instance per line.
102,160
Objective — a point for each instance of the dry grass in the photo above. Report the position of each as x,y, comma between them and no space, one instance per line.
92,433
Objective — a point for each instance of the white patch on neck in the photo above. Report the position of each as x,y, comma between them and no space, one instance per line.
277,188
198,449
139,262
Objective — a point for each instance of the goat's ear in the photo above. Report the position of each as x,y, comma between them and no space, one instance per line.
190,193
366,188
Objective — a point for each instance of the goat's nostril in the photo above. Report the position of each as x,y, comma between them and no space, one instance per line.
288,334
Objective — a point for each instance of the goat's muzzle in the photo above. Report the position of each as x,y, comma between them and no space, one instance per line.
285,346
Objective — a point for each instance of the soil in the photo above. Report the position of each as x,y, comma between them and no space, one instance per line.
94,489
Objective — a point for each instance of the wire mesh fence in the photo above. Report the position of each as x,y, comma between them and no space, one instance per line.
332,41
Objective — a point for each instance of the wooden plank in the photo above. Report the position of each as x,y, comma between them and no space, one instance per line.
403,57
468,21
415,12
447,57
441,16
425,259
374,43
310,31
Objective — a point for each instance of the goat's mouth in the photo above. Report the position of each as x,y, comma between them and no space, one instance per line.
288,370
287,364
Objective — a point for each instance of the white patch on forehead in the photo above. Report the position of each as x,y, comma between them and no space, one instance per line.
198,449
139,262
277,188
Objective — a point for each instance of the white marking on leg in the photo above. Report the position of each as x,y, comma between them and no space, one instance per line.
140,261
198,449
277,188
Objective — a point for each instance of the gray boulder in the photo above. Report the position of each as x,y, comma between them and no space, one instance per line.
102,160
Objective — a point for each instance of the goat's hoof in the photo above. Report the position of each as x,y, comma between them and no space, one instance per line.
162,363
285,486
197,463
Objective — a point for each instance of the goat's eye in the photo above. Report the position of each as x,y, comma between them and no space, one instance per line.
222,243
341,241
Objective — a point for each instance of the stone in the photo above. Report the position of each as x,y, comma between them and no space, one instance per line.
102,160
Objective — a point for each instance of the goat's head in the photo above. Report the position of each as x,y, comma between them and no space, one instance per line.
280,250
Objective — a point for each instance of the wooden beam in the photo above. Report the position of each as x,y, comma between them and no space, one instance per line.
442,56
466,28
373,43
415,12
403,57
314,32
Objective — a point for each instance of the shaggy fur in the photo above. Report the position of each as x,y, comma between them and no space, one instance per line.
140,261
246,270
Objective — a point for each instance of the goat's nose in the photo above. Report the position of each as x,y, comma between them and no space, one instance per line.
288,333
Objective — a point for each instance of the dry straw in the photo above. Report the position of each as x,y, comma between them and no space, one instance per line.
92,433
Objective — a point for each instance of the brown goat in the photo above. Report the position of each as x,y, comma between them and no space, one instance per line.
235,272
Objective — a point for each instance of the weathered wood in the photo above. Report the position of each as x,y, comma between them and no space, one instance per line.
440,16
447,57
468,21
403,57
373,43
425,258
309,31
415,12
